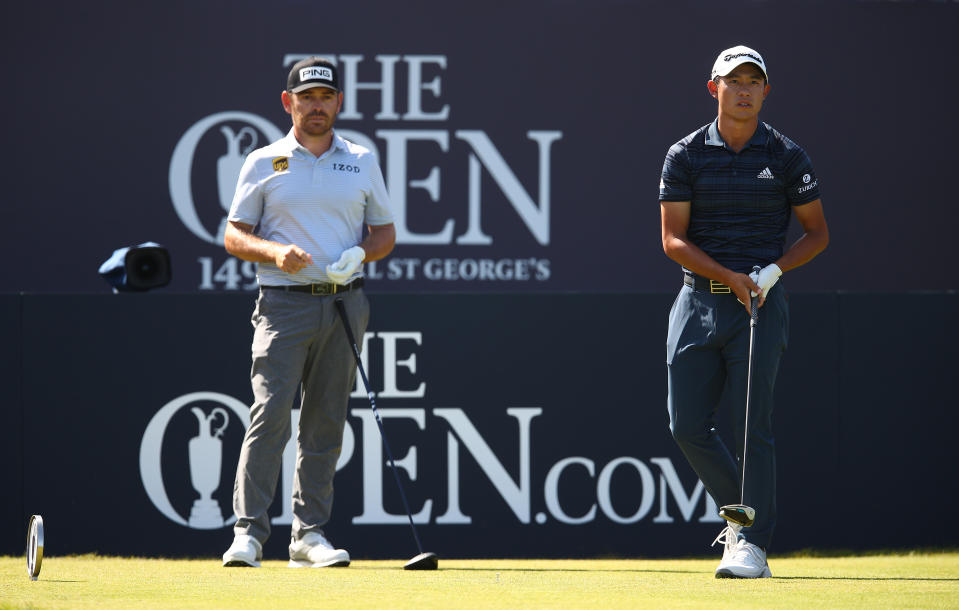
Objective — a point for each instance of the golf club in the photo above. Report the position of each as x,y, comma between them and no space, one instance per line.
423,561
740,513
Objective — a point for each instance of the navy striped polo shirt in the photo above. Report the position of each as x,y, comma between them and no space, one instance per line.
740,202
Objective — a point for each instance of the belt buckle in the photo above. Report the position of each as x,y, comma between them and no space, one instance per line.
321,290
718,287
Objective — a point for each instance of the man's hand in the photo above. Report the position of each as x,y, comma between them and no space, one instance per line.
766,279
743,286
342,270
292,258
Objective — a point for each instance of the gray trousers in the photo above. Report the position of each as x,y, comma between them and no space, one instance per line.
706,358
298,338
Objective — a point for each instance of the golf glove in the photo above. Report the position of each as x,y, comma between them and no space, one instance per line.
343,270
767,278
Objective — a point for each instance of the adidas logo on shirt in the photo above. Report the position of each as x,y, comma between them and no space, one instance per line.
766,175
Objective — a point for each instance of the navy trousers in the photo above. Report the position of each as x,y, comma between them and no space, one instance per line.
707,350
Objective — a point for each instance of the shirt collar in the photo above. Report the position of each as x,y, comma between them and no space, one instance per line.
760,137
290,145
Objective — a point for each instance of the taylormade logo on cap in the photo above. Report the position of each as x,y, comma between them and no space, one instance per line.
316,72
732,58
729,58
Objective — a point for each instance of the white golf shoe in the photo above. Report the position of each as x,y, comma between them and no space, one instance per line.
245,552
315,551
741,559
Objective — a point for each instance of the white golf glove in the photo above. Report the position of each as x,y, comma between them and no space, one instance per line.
766,278
343,270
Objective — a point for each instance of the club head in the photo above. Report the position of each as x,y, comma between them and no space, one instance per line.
738,513
423,561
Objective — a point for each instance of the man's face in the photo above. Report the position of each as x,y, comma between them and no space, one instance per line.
741,92
313,110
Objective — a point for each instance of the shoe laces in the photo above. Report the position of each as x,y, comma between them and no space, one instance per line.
729,537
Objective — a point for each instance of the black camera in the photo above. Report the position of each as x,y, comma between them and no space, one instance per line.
137,268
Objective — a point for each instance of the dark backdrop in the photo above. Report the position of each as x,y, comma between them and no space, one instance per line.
864,426
99,94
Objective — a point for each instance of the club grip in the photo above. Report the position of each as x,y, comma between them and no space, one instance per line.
754,301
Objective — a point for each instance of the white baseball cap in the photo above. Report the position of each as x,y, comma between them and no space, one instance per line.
736,56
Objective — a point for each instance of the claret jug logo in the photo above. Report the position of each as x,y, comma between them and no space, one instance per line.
235,143
203,454
188,458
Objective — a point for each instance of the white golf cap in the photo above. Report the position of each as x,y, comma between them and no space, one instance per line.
736,56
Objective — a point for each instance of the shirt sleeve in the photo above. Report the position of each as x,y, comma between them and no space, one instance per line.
377,201
247,206
802,186
675,183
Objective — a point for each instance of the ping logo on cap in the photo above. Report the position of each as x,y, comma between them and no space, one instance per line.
316,72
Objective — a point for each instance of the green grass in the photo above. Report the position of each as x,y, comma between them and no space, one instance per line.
904,580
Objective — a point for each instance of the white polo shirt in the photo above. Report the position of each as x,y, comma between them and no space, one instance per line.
321,204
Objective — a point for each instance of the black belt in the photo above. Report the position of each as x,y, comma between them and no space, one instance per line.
318,289
702,284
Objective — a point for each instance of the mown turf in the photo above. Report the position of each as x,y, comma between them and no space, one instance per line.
909,580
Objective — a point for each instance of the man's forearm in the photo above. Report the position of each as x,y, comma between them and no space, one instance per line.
240,241
379,242
692,257
247,246
804,250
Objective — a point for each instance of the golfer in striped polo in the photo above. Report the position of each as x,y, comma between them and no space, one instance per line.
300,209
727,194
